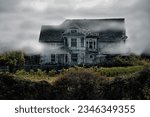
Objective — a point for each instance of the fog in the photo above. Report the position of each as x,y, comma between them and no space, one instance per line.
21,20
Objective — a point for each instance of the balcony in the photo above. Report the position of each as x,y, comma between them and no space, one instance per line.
91,49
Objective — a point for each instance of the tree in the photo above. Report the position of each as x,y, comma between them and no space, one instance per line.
12,59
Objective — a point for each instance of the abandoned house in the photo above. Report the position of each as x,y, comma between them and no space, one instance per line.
82,41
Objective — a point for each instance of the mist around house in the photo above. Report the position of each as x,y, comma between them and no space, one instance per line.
120,77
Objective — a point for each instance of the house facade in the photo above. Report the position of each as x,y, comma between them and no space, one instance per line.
82,41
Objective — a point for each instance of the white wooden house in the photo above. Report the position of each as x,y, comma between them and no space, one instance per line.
82,40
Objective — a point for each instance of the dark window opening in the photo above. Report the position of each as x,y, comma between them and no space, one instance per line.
87,44
82,42
73,31
66,42
74,58
91,56
73,42
94,44
53,58
90,45
66,58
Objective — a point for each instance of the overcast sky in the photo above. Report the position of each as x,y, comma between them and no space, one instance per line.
21,20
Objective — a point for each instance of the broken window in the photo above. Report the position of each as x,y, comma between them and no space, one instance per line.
73,42
74,58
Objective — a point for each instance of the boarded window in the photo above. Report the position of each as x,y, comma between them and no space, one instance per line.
82,42
53,58
74,58
73,42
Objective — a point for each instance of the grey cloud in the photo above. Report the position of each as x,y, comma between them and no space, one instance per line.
9,5
21,25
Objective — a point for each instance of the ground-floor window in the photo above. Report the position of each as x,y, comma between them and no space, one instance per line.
74,58
66,58
53,58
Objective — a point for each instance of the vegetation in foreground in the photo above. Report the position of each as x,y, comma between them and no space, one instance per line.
77,84
123,78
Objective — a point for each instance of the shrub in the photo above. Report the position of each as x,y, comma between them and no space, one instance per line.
52,73
40,72
131,60
21,72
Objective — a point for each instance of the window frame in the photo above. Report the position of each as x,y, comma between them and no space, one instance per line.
73,31
74,43
82,42
74,58
53,60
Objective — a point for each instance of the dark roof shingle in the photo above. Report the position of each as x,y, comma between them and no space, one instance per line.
108,29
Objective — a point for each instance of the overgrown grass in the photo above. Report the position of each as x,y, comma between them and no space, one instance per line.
118,71
52,75
106,71
38,75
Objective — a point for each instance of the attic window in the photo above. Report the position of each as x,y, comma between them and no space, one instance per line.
73,31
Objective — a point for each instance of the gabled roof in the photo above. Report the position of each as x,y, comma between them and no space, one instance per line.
109,29
51,34
95,25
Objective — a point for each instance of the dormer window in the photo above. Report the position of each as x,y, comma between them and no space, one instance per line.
73,31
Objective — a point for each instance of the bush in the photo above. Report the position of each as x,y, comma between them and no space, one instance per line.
52,73
78,85
131,60
40,72
16,89
21,72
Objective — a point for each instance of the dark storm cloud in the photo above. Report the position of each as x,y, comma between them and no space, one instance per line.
21,20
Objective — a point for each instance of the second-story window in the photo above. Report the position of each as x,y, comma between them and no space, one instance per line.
87,44
82,42
65,42
94,44
90,45
73,42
